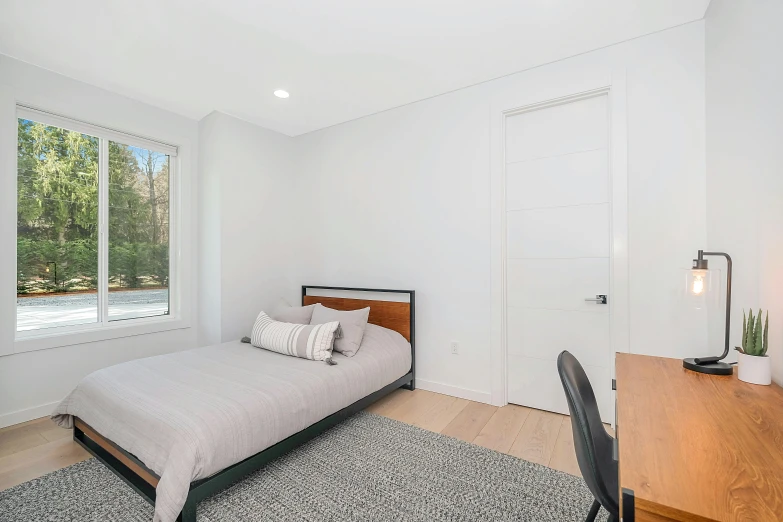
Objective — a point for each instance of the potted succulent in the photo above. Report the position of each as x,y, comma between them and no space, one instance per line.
754,365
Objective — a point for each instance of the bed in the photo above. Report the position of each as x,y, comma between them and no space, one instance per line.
180,427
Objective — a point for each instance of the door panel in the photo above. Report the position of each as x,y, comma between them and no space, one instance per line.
535,386
560,284
558,233
573,179
581,333
561,232
564,129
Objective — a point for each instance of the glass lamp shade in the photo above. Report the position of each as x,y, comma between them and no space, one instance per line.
702,287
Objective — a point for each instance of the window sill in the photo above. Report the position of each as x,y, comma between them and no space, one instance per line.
44,339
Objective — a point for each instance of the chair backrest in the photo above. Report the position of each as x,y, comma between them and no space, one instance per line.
592,443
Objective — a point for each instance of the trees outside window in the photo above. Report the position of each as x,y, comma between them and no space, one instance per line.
60,200
138,231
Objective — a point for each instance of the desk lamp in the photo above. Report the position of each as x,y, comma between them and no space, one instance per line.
697,285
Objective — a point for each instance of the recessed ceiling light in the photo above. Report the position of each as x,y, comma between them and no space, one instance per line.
281,93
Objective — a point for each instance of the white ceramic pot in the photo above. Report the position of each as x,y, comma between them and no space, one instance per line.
755,370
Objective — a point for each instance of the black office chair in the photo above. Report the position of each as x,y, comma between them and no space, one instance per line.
592,443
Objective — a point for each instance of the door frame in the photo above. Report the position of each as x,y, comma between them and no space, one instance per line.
549,93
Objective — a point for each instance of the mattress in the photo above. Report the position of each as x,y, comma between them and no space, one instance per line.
188,415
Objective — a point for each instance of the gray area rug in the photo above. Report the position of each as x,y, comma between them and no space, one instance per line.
369,468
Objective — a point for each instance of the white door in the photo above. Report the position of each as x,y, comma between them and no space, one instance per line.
558,219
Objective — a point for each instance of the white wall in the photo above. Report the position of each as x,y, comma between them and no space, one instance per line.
402,199
31,382
249,223
745,157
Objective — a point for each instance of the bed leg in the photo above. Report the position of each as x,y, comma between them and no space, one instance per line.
188,512
410,386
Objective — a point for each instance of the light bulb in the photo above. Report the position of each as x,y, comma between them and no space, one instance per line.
697,285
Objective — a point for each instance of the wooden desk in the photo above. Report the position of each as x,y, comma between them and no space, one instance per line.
695,447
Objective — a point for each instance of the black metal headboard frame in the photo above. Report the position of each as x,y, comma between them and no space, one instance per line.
411,296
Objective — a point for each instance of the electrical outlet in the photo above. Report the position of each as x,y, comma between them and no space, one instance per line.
455,347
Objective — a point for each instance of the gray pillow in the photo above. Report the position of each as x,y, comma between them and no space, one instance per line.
352,323
293,314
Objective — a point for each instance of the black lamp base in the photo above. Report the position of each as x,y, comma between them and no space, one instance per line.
716,368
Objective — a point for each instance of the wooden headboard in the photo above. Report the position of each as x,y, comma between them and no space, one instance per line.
394,315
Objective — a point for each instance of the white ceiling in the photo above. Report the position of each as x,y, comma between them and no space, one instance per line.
339,59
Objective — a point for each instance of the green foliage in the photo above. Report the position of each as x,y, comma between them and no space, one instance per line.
73,262
57,182
744,327
754,336
758,336
766,335
57,212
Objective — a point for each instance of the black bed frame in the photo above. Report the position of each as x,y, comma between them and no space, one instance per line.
203,488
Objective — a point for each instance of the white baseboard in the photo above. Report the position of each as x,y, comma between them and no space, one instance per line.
36,412
454,391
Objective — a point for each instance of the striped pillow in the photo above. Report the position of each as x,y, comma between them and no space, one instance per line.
300,340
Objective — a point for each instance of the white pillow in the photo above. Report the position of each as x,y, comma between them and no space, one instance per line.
293,314
352,323
314,342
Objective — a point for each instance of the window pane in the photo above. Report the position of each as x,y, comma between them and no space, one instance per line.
57,227
138,232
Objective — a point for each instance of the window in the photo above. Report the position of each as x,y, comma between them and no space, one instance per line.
138,232
94,232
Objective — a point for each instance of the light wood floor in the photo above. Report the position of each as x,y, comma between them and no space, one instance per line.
35,448
538,436
38,447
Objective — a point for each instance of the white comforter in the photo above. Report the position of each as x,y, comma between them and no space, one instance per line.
190,414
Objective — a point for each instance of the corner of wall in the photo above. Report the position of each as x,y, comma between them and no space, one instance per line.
209,223
247,218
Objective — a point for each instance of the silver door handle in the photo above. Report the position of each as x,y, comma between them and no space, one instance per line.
599,299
